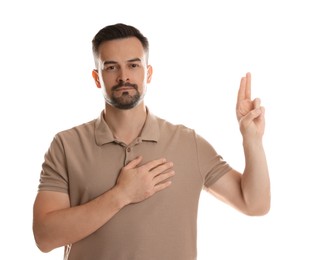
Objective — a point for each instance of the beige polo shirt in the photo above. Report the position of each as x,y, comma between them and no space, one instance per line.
85,162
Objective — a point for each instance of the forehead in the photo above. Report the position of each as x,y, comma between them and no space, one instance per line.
121,49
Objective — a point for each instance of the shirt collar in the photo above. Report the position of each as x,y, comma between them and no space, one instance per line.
150,131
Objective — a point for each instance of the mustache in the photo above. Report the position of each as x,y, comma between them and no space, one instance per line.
124,84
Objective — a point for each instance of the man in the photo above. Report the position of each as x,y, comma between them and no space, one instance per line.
126,185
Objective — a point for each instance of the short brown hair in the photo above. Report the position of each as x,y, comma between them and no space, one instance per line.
118,31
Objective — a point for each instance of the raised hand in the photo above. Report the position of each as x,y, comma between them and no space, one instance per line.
250,113
138,183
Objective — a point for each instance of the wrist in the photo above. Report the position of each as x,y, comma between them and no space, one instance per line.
120,197
252,148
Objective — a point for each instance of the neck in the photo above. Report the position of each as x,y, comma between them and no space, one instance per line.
126,125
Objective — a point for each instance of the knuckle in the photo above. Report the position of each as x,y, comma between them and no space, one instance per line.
148,193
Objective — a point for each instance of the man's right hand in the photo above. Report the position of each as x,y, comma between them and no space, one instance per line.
56,223
137,183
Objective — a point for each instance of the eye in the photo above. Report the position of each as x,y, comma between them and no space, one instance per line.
134,65
110,68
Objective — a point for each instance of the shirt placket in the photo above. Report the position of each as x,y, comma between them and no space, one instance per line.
130,151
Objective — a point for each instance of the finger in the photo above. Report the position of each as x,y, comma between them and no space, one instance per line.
161,168
252,115
261,116
248,86
256,103
263,111
153,164
162,186
164,176
133,163
242,90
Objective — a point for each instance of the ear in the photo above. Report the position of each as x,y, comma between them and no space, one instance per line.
149,73
95,76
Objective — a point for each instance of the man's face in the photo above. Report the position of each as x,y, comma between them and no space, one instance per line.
123,72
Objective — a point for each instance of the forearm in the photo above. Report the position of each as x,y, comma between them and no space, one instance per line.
66,226
57,224
255,181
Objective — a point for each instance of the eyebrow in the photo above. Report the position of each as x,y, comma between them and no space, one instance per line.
115,62
133,60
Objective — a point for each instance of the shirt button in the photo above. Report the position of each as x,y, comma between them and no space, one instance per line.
128,149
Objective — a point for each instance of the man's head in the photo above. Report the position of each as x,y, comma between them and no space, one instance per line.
121,59
115,32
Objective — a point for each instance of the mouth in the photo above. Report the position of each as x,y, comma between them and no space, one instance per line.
124,88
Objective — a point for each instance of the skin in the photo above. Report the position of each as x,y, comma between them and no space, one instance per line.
248,192
56,224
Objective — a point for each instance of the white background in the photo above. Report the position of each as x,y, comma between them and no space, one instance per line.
199,51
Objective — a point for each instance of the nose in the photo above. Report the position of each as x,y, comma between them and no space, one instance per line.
123,76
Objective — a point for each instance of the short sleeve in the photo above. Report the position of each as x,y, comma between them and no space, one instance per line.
54,171
212,166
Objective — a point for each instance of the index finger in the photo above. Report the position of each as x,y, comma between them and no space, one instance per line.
245,88
154,163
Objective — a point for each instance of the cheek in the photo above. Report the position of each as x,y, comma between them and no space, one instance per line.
108,81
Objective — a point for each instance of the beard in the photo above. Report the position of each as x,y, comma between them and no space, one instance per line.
125,100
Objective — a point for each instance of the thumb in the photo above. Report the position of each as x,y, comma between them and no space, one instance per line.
133,163
252,115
